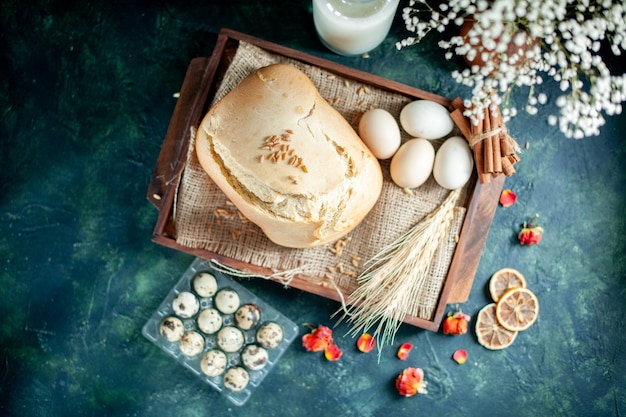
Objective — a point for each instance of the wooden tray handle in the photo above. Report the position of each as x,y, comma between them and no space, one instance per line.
187,113
175,143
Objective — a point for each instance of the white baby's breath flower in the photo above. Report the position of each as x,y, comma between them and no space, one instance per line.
560,39
542,98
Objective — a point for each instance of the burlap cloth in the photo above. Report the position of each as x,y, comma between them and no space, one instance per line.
205,219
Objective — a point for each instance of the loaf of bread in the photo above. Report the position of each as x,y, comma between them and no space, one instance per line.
287,159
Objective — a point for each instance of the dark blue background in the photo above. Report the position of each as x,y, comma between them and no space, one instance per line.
86,94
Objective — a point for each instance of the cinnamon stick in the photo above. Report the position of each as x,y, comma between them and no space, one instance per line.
488,145
507,166
495,153
457,104
505,146
496,123
462,123
477,130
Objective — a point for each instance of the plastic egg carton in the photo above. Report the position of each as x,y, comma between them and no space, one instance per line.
152,331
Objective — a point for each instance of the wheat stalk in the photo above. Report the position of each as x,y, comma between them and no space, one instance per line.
394,279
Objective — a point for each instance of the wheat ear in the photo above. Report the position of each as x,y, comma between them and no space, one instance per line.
393,280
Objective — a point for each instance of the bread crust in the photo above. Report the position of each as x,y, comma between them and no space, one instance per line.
288,160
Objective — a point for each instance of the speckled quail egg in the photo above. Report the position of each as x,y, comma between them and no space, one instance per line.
172,329
185,305
209,321
247,316
269,335
214,363
192,343
227,301
236,379
230,339
254,357
205,284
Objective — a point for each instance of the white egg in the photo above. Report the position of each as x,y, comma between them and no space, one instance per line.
426,119
412,164
453,163
380,132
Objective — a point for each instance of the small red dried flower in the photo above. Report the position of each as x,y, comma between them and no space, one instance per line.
332,353
366,343
456,324
411,382
318,339
460,356
507,198
530,234
404,350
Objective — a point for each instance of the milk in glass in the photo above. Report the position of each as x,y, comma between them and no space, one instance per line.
353,27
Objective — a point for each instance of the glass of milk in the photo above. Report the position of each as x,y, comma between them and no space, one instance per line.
353,27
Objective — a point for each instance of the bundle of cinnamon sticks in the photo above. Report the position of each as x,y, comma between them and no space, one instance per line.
494,150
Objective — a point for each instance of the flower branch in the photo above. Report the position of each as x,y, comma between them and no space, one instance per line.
521,43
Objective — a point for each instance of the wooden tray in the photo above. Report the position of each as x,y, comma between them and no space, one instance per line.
201,80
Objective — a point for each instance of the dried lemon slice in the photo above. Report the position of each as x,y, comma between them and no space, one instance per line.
489,331
517,309
503,280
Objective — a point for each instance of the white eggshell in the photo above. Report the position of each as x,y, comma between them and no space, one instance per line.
426,119
412,164
453,163
380,132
